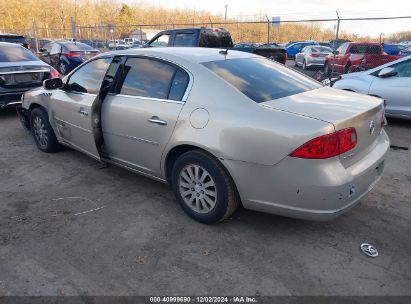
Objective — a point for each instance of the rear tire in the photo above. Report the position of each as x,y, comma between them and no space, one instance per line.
42,131
327,70
203,188
304,65
348,68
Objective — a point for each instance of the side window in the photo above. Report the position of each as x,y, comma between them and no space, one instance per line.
185,39
403,69
374,49
358,49
89,77
342,48
147,78
297,46
55,49
161,41
179,85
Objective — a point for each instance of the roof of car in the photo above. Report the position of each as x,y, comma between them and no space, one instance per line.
191,54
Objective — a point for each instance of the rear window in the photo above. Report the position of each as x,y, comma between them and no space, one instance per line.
15,53
78,47
185,39
365,49
321,49
13,39
261,79
216,39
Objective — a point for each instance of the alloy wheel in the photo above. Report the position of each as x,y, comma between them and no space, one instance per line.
40,132
62,68
197,188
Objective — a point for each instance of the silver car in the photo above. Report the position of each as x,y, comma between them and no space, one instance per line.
391,82
223,128
312,56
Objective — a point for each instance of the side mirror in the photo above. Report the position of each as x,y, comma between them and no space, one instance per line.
336,52
53,83
387,72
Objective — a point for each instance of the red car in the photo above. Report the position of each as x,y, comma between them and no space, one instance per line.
357,56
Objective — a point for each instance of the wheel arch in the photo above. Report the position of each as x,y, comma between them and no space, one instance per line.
175,152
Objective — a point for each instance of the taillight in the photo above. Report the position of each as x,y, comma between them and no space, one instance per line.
315,55
54,73
329,145
73,54
285,57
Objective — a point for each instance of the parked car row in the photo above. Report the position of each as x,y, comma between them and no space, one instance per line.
65,56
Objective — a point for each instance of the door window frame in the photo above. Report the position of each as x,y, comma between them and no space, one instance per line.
119,82
67,78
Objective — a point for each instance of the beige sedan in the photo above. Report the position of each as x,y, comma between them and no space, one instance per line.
224,128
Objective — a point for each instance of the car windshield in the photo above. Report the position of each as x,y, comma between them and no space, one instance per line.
14,53
261,79
78,47
321,50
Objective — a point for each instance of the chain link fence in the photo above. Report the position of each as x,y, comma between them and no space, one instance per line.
327,32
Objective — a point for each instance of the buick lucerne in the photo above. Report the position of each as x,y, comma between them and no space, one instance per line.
222,127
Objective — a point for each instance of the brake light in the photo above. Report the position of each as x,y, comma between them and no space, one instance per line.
329,145
54,73
217,29
285,57
73,54
315,55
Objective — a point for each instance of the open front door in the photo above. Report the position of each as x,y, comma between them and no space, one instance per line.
76,108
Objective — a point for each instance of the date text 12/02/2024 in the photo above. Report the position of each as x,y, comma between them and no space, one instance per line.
204,299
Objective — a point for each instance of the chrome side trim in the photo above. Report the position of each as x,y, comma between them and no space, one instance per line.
59,120
133,138
14,103
24,72
147,98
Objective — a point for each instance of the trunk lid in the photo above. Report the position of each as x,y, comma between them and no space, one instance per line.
342,109
12,76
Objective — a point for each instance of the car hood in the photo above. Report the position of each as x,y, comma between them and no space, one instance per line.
326,104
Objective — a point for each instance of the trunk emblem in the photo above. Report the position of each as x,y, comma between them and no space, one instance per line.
372,127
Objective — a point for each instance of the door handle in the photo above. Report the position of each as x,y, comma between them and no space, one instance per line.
156,120
82,112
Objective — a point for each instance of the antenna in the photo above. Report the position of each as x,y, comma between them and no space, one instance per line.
224,52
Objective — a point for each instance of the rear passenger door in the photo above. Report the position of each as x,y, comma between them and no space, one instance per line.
138,119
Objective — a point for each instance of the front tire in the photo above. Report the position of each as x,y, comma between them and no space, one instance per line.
203,188
42,131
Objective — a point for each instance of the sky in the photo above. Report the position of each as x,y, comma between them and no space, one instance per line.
312,9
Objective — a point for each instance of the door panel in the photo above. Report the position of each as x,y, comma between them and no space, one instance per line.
396,91
137,129
75,110
72,112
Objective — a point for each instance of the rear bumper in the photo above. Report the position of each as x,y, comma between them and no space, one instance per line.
11,98
309,189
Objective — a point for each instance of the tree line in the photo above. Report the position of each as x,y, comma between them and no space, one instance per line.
104,19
